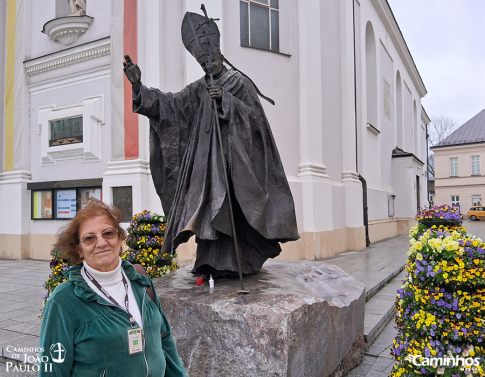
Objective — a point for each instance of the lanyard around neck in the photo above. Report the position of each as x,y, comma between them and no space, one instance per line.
127,303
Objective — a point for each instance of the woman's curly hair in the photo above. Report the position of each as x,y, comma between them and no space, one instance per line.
68,236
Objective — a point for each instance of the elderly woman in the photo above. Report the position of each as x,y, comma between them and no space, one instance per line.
101,321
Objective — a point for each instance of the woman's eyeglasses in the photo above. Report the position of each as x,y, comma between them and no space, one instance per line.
90,238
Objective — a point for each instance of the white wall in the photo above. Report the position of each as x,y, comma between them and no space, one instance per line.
44,11
311,81
377,166
64,87
386,82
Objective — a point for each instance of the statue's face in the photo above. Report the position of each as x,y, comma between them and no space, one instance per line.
217,66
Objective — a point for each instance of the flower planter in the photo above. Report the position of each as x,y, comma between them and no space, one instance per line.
144,244
440,305
437,222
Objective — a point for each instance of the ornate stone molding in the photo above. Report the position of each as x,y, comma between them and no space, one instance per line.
72,79
313,170
92,112
16,176
78,54
350,176
125,167
66,30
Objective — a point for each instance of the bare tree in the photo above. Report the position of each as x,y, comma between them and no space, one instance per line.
440,128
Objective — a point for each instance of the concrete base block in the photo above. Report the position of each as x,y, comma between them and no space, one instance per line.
300,318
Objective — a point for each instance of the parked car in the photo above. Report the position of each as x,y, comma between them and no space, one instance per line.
476,213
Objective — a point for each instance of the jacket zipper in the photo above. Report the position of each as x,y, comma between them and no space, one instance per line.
143,332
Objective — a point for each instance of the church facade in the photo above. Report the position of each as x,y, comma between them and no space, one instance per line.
348,120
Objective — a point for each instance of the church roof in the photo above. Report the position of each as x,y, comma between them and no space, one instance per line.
471,132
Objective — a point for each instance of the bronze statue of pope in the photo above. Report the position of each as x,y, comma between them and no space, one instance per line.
188,170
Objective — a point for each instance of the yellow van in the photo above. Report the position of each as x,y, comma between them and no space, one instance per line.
476,213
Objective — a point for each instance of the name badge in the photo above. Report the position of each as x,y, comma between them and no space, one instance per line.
135,340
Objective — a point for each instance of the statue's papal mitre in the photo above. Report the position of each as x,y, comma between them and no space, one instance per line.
198,33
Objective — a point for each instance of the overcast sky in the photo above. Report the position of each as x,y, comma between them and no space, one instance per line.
447,42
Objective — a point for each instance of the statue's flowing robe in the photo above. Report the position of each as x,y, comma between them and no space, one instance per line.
187,171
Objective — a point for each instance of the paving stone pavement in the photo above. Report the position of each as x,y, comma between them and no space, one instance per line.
372,265
21,295
8,370
377,361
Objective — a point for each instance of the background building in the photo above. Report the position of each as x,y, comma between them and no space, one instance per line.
346,88
458,177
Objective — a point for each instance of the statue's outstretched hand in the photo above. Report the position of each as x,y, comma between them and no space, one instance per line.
132,71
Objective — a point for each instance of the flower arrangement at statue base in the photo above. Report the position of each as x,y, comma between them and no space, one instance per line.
144,242
441,305
56,277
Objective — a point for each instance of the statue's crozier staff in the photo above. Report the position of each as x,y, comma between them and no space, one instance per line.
189,175
205,43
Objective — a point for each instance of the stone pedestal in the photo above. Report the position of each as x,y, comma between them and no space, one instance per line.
301,318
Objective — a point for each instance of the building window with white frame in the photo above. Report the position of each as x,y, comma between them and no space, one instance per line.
72,131
260,24
454,166
476,200
475,165
455,200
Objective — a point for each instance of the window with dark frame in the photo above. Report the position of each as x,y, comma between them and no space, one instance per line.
85,193
260,24
123,200
65,203
42,204
60,203
65,131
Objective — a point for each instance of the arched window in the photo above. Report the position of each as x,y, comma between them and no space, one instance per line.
371,75
399,127
415,129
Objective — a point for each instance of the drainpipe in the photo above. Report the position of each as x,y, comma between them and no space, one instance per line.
361,178
366,216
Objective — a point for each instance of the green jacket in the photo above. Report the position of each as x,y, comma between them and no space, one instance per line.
93,333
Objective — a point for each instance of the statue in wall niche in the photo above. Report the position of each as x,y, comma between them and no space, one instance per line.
78,7
214,162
